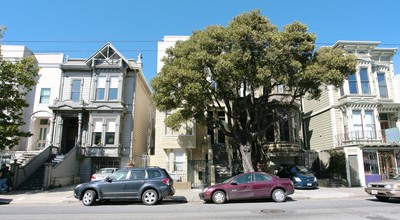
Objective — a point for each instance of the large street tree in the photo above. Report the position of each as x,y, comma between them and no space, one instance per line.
235,69
16,80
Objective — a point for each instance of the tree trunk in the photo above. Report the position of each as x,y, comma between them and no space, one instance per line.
245,151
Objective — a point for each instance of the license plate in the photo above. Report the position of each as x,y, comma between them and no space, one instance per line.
309,184
374,192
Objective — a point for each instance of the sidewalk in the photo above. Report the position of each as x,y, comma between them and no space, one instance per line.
65,195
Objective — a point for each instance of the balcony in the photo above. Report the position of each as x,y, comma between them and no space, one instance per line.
370,136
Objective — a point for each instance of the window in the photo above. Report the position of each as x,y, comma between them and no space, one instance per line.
364,81
246,178
101,88
76,89
107,88
98,127
353,84
44,96
284,127
357,123
382,85
137,174
370,162
185,129
110,134
113,90
262,177
369,124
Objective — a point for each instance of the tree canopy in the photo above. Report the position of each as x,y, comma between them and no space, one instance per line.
16,80
236,68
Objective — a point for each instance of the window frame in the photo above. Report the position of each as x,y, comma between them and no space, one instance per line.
75,90
42,97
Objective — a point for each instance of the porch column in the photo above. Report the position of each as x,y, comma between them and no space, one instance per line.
79,129
52,127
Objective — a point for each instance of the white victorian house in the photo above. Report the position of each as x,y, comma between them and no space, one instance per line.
361,118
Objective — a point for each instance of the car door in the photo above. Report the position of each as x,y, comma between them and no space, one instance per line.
241,187
135,183
114,186
262,185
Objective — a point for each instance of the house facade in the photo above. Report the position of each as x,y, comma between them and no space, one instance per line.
196,156
361,118
104,110
37,115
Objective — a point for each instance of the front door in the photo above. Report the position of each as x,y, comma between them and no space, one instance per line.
387,164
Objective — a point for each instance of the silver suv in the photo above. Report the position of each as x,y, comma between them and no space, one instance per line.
150,184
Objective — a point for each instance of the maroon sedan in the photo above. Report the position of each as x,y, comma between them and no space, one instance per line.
253,185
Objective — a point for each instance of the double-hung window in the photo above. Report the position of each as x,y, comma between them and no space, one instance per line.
104,132
107,88
382,85
76,89
353,84
44,96
364,81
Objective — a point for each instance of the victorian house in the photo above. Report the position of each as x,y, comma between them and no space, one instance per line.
361,118
104,112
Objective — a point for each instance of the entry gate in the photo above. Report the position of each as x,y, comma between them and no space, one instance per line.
199,173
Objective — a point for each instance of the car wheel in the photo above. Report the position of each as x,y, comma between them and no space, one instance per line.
278,195
150,197
381,198
218,197
89,197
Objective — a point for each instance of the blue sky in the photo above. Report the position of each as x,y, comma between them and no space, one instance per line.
78,28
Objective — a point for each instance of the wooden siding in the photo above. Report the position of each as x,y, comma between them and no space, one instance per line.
316,105
142,118
320,132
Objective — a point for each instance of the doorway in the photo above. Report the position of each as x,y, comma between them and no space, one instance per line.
70,134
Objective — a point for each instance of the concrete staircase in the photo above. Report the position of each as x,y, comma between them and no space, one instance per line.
35,181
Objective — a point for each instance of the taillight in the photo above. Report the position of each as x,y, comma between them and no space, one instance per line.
93,177
165,181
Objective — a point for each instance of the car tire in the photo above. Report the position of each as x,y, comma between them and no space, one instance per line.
89,197
383,199
278,195
219,197
150,197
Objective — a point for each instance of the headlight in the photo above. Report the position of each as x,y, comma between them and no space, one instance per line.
79,185
315,179
297,179
388,186
397,186
369,185
205,189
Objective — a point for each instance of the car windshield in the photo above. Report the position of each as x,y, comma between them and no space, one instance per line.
302,170
397,177
228,180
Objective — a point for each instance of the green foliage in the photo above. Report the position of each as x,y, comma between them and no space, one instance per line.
208,72
337,164
16,80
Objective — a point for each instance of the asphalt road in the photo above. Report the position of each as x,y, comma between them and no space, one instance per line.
321,209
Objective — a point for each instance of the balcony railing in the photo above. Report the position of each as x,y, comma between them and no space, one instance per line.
361,137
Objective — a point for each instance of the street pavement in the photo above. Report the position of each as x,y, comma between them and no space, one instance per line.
65,195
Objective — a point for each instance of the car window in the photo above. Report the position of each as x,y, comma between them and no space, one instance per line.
119,175
137,174
244,179
260,177
153,173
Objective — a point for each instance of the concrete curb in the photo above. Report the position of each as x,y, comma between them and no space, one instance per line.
65,195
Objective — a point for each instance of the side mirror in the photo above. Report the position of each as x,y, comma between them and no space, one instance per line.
234,183
108,179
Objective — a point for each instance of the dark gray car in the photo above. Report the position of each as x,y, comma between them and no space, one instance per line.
149,184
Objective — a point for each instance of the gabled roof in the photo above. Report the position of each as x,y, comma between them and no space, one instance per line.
108,51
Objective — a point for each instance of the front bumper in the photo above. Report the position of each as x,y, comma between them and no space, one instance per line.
305,185
384,192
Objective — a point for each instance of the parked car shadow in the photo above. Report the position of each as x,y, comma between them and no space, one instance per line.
392,200
166,201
